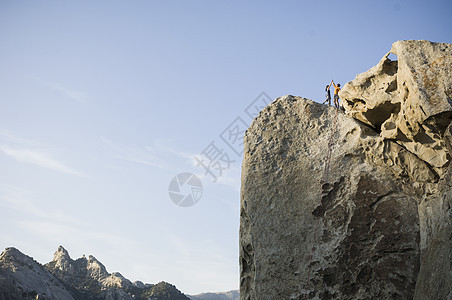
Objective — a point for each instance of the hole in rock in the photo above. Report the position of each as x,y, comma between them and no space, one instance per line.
392,56
381,113
390,126
355,102
390,67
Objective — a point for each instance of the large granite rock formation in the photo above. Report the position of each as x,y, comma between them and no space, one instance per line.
374,220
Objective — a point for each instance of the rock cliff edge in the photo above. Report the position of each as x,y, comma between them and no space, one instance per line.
376,222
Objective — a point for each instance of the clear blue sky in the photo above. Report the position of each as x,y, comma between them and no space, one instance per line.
102,103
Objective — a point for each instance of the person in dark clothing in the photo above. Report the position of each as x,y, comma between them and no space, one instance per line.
328,94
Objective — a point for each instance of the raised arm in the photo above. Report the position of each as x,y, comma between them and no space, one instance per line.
330,83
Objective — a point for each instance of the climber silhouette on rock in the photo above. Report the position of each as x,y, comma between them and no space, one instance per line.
337,88
328,94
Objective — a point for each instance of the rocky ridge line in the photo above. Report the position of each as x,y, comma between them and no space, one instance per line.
63,278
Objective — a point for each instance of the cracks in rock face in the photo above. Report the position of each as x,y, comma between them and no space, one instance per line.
379,199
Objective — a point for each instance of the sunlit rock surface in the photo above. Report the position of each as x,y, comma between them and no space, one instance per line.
409,99
375,225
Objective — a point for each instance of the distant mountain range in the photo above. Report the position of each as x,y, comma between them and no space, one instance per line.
23,278
231,295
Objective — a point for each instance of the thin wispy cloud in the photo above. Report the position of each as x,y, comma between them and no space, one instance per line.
12,138
143,155
23,201
59,232
161,146
47,222
163,156
229,177
38,158
78,96
32,152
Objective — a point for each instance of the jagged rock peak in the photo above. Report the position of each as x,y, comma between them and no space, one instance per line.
61,254
12,254
62,261
96,268
11,251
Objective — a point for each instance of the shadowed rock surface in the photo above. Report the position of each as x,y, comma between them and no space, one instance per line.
378,227
21,277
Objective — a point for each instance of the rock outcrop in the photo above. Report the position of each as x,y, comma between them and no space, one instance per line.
88,276
21,277
409,99
63,278
353,205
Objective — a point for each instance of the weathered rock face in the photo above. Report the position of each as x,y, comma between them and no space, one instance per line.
408,100
367,230
21,277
